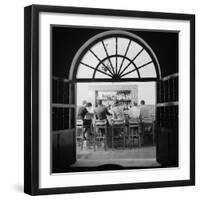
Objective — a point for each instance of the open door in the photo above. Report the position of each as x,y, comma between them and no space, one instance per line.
167,121
63,124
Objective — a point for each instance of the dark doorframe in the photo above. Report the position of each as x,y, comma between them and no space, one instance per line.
61,144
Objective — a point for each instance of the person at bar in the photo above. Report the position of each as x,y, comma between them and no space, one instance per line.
82,111
117,111
87,122
119,118
101,111
144,113
134,111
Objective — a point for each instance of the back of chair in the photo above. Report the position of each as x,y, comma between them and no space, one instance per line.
147,120
134,121
99,122
79,122
118,121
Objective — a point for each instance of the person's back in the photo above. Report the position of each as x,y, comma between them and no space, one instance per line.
144,113
90,112
101,111
118,112
82,111
134,112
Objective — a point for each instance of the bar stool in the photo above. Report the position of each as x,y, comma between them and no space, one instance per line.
148,128
99,126
134,130
79,132
120,125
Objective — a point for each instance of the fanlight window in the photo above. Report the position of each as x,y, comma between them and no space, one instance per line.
116,58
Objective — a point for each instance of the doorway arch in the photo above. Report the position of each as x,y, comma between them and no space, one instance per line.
103,60
100,59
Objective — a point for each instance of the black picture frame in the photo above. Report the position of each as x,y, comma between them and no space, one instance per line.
31,98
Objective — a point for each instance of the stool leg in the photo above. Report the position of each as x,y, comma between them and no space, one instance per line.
124,136
82,139
112,137
105,139
130,137
139,137
94,138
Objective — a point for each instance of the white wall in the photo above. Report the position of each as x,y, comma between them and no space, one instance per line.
146,91
11,101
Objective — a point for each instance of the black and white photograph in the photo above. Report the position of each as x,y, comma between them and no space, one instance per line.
109,100
114,99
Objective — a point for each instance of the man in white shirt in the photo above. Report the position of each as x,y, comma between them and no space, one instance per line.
134,112
144,113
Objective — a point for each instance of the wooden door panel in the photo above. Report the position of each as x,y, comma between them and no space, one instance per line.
167,121
63,124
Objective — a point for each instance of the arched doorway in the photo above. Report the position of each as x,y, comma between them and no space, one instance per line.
115,56
111,56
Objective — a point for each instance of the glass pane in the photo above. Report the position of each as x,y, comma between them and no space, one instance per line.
148,71
90,59
100,75
131,75
106,67
142,58
99,50
84,72
113,61
133,50
124,65
110,46
122,45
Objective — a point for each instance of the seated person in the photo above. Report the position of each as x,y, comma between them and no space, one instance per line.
134,112
87,122
90,111
82,111
144,113
101,111
118,112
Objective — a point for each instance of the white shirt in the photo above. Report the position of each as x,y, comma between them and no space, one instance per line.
134,112
144,112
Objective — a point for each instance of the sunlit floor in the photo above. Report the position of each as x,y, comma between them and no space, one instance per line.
134,157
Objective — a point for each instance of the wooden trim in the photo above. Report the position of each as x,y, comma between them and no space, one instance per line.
63,131
60,105
60,79
170,76
83,80
172,103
